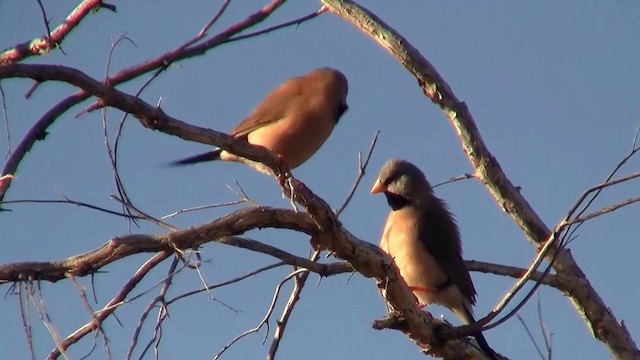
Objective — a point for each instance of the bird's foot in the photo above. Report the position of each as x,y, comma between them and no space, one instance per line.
284,171
285,179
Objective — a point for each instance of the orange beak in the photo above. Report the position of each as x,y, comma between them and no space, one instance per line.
378,187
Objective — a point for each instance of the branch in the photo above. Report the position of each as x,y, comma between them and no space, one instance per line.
120,247
151,117
160,62
44,44
585,298
320,221
111,306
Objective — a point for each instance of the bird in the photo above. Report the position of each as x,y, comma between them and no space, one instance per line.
422,238
293,120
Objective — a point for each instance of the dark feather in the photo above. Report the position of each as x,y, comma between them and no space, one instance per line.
440,236
208,156
482,342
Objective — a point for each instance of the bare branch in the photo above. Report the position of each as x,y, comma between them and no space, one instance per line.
362,167
604,210
110,308
38,130
299,283
45,44
454,179
530,335
265,319
120,247
488,170
287,258
69,202
202,207
511,271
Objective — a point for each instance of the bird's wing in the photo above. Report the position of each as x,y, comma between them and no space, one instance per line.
275,107
439,234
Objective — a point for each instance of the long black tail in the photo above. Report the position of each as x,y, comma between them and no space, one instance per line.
482,342
208,156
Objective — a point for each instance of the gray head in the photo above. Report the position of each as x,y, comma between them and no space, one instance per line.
403,180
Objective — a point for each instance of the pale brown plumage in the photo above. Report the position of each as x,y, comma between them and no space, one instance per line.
423,239
294,120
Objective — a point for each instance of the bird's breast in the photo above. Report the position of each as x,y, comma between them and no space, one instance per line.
417,266
296,137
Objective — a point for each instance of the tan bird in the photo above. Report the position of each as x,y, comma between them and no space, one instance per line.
294,120
422,237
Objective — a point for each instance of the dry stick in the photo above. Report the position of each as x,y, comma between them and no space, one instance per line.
566,224
361,172
69,202
208,25
297,21
320,220
39,128
25,316
85,302
584,297
144,216
483,324
605,210
511,271
38,301
607,182
454,179
163,310
543,329
109,308
299,283
7,129
224,283
265,319
530,335
46,21
368,259
201,207
286,257
112,154
302,279
120,247
44,45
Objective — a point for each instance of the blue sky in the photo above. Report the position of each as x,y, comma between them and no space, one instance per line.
551,85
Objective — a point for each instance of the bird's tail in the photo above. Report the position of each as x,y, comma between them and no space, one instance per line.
208,156
482,342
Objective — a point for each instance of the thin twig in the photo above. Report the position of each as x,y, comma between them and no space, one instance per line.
456,178
202,207
362,167
69,202
530,335
265,319
164,310
282,322
543,329
109,308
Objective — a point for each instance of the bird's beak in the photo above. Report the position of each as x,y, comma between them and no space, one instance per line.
378,187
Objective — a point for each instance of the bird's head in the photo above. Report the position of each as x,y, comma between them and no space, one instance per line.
336,86
402,183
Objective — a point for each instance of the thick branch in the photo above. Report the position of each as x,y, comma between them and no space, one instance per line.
120,247
185,51
365,258
150,117
585,298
